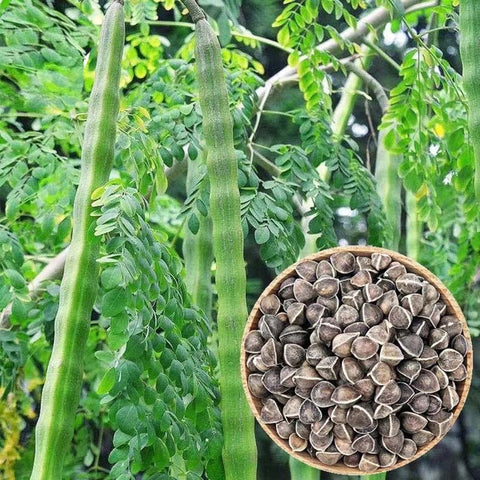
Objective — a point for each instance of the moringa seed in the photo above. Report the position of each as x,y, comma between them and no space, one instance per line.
413,303
353,299
321,394
320,442
429,293
258,364
394,271
386,458
296,313
412,345
389,426
256,386
345,286
324,267
306,377
451,325
294,334
459,374
366,388
344,446
364,263
270,412
296,443
328,368
303,392
270,304
385,284
408,283
382,411
422,437
285,429
440,423
307,270
309,413
372,292
253,342
357,327
379,334
426,382
387,301
346,315
314,313
350,370
343,431
412,422
302,430
428,357
438,339
343,262
391,354
342,344
286,376
360,416
409,370
286,288
449,398
316,353
394,444
293,354
331,304
303,291
271,353
420,327
388,394
328,329
330,456
271,381
442,377
369,462
368,364
409,449
270,326
435,404
430,313
345,396
400,317
363,348
407,393
323,427
361,278
460,344
371,314
337,414
327,287
352,461
381,373
449,360
419,403
381,261
364,443
292,408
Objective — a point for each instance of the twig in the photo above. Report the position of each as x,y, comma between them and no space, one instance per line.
382,54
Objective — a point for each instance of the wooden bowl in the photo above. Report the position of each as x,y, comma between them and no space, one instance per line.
412,266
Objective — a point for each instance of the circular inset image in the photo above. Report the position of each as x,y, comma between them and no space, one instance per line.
356,360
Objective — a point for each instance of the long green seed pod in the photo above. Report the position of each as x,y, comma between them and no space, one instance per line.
61,392
469,48
198,251
239,451
413,227
302,471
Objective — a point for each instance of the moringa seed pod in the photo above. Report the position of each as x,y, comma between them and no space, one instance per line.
426,382
361,278
394,271
388,300
323,427
439,423
400,317
388,394
286,376
309,413
360,416
449,360
451,325
353,299
270,326
285,429
344,446
371,314
435,404
409,449
320,442
270,305
438,339
296,313
314,313
292,408
381,261
408,283
344,432
449,398
409,370
303,291
270,412
412,422
342,344
345,396
422,437
350,370
412,345
459,374
316,353
307,270
460,344
366,388
327,287
413,303
428,357
391,354
324,267
321,394
357,327
294,334
253,342
364,348
302,430
286,288
346,315
329,368
271,353
293,354
330,456
352,461
394,444
372,292
328,329
369,462
389,426
306,377
343,262
256,386
296,443
386,458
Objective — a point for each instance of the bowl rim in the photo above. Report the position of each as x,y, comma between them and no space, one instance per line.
412,266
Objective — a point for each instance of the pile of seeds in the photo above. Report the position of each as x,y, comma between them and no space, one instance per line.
356,361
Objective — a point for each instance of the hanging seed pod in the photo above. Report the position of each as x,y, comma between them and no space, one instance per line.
296,443
344,432
357,327
306,377
394,444
292,408
428,357
316,353
321,394
449,360
394,271
372,292
364,443
286,288
294,334
379,334
296,313
438,339
400,317
361,278
330,456
331,304
324,267
388,394
350,370
344,446
391,354
352,461
327,287
342,344
323,427
270,305
449,398
426,382
412,345
320,442
307,270
412,422
451,325
366,388
302,430
285,429
408,283
270,412
271,353
460,344
256,387
386,458
435,404
345,396
381,261
293,354
270,327
407,393
458,375
389,426
422,438
409,370
369,462
440,423
314,313
371,314
343,262
286,376
253,342
309,413
409,449
364,348
328,329
387,301
442,377
329,368
419,403
258,364
420,327
303,291
413,303
360,416
346,315
353,299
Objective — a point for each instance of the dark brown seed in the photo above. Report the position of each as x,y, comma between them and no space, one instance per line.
435,405
327,286
352,461
342,344
346,286
307,270
422,438
324,267
292,408
379,334
389,426
320,442
360,416
302,429
382,411
449,360
391,354
283,317
372,292
371,314
440,423
386,458
303,392
353,299
271,353
412,422
328,329
426,382
451,325
388,301
364,263
294,334
380,261
343,431
286,288
450,398
442,377
303,291
459,374
306,377
412,345
366,388
258,364
309,413
328,368
407,393
400,317
364,443
408,283
388,394
250,365
285,429
438,339
369,462
409,449
253,342
430,293
270,412
338,414
270,327
346,315
286,376
350,370
361,278
428,358
430,313
419,403
345,396
394,444
271,381
270,304
409,370
343,262
296,313
287,303
413,303
368,364
314,313
293,354
321,394
420,327
364,348
394,271
331,304
460,344
255,385
323,427
296,443
357,327
385,284
315,353
381,373
330,456
344,446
